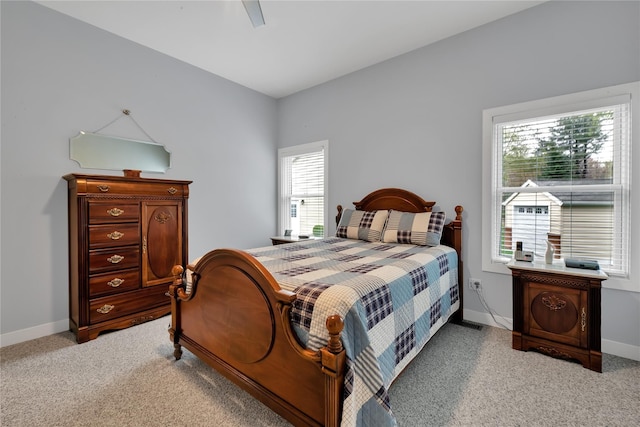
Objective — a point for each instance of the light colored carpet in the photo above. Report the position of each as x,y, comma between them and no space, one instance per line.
464,377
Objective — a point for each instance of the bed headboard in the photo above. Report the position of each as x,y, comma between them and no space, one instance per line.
395,198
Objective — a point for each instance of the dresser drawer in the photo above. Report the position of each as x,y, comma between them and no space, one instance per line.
110,235
139,189
100,213
111,307
113,259
114,282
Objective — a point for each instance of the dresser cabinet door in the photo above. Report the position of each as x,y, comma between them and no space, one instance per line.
162,241
556,313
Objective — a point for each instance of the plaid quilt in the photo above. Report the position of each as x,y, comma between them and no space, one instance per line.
392,297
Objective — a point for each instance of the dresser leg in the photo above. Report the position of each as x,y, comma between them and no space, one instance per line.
82,335
595,361
516,340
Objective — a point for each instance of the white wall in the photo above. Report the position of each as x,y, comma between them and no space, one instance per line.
60,76
416,122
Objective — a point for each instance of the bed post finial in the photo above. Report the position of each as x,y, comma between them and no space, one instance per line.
339,215
459,210
334,326
178,289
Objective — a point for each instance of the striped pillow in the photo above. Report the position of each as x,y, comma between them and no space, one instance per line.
424,228
362,225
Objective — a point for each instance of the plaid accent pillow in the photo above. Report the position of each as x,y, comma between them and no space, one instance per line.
424,228
362,225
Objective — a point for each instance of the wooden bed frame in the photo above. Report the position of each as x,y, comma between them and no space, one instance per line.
236,318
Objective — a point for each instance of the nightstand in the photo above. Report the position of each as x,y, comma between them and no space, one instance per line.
280,240
556,311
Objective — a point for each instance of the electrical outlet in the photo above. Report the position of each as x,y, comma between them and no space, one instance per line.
474,284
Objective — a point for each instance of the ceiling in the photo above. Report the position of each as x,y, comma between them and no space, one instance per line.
302,44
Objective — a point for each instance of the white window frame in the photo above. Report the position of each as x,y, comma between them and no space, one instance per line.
491,261
284,201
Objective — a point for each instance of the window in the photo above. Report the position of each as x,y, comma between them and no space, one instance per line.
302,189
558,170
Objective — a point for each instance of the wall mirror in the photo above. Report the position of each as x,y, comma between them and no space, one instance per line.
97,151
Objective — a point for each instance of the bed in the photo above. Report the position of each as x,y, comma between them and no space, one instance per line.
307,328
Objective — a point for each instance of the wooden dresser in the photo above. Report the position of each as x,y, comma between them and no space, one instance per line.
125,235
556,311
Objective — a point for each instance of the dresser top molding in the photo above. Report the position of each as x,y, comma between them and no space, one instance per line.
76,176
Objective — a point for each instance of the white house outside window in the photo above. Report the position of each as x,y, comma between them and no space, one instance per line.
302,189
559,171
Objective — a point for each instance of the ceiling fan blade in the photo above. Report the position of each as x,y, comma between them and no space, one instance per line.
254,11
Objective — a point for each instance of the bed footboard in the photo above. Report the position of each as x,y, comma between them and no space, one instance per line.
235,317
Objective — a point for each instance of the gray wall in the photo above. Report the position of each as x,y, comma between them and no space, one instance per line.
416,122
60,76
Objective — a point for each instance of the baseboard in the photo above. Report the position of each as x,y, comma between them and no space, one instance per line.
610,347
486,319
34,332
621,349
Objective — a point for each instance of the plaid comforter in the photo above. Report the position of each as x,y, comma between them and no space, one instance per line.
392,297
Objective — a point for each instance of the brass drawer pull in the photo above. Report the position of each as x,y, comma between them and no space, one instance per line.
115,282
583,322
105,309
103,188
116,235
115,211
172,190
114,259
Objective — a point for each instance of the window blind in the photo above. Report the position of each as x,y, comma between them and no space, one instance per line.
302,193
563,178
